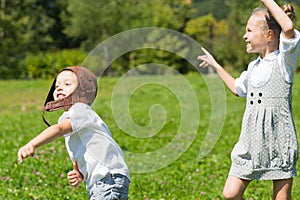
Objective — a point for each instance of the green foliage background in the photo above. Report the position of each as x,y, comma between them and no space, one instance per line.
39,28
40,37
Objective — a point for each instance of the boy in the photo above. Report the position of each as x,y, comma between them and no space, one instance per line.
96,157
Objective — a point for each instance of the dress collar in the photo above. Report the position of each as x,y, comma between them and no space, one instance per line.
270,57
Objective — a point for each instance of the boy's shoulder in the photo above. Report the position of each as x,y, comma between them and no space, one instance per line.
80,108
82,114
81,105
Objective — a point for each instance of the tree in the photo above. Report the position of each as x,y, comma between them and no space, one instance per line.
206,29
96,20
99,20
209,33
26,26
217,8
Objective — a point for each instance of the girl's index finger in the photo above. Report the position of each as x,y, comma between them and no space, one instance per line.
205,51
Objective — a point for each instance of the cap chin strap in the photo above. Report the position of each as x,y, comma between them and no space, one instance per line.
45,121
64,103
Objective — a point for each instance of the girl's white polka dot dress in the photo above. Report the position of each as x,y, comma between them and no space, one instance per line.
267,148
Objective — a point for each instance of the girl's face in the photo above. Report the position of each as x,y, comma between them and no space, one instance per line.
256,36
66,83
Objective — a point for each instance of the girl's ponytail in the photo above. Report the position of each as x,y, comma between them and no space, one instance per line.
289,10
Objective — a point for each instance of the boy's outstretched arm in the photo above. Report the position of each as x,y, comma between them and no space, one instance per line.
47,136
208,60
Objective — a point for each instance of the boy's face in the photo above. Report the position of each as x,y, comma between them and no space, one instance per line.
66,83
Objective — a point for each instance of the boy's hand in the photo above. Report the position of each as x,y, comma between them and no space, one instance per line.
25,151
74,176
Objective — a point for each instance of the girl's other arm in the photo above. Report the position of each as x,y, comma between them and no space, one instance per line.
281,17
47,136
208,60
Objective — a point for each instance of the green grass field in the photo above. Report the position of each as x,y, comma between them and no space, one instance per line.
161,131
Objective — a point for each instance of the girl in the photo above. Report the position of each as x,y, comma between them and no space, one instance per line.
267,148
96,157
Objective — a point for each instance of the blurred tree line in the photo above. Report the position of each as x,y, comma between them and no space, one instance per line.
40,37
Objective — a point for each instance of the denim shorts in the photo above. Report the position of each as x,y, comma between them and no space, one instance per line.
111,187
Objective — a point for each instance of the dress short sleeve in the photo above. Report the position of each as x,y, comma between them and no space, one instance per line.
241,84
288,61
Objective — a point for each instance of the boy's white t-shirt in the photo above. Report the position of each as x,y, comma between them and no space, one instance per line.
92,146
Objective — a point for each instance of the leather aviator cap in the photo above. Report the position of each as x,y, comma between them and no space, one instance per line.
85,92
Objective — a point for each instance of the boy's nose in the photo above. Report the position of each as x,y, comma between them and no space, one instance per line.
58,88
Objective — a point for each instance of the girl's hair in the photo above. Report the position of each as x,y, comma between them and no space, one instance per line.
289,10
270,20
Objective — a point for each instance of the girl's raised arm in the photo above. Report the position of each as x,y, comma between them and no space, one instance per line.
281,17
